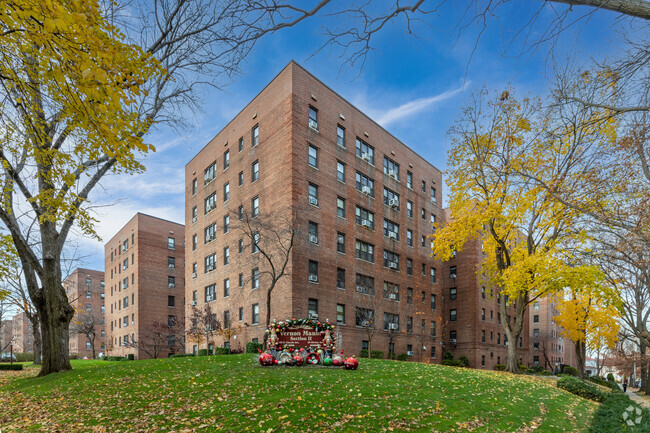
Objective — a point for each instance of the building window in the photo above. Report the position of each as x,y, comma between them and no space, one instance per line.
171,282
391,260
255,171
409,327
536,318
452,272
255,207
194,297
340,278
433,195
483,314
241,313
194,242
365,251
194,186
313,156
210,173
255,314
365,218
409,266
340,207
312,307
433,275
365,151
241,279
195,214
171,301
536,332
240,212
340,243
88,307
365,284
364,317
409,237
195,268
241,144
313,118
226,191
391,229
391,322
409,208
255,244
312,229
391,168
125,283
433,302
483,292
226,287
340,135
171,243
210,233
241,178
88,294
340,171
226,255
255,278
536,305
423,213
210,203
226,159
226,223
452,315
424,186
210,263
210,293
313,194
340,314
313,271
365,184
452,293
255,135
409,180
391,291
226,319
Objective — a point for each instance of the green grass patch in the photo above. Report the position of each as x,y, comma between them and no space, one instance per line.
234,394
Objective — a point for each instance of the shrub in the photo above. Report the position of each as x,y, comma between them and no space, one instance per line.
447,355
402,357
523,368
546,373
131,356
113,358
570,371
464,360
603,382
610,378
181,355
24,357
206,352
609,416
536,369
377,354
580,387
252,347
11,366
500,367
453,362
363,353
221,351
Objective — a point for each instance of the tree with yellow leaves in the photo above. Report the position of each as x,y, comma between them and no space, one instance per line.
499,148
588,311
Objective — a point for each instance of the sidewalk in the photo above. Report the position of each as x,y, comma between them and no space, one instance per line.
642,400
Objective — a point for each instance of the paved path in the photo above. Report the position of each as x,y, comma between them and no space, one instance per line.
641,400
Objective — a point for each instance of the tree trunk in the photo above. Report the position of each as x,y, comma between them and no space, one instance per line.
36,328
268,315
581,353
92,346
513,333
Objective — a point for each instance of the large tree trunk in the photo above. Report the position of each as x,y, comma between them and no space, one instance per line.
645,368
581,354
513,333
268,315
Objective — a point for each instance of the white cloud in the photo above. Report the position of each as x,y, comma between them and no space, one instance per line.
413,107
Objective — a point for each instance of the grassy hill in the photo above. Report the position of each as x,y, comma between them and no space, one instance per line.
234,394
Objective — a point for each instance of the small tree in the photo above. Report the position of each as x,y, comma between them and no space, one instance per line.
85,323
203,325
370,307
160,336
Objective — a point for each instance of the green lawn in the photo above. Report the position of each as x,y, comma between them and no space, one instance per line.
234,394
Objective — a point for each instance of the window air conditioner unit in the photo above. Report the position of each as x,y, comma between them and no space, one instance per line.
392,296
452,340
365,157
193,274
313,278
193,303
392,174
172,285
313,201
392,265
393,202
392,235
360,289
313,239
392,326
409,353
365,190
452,276
365,223
171,266
365,323
313,316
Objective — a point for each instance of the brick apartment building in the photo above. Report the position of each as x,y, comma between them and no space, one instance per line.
363,203
22,333
548,347
85,291
145,284
6,335
471,314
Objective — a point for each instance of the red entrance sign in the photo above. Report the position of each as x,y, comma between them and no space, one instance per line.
304,336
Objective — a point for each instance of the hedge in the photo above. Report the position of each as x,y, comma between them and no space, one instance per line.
580,387
453,362
181,355
609,416
252,347
363,353
24,357
11,366
377,354
221,351
402,357
603,382
570,371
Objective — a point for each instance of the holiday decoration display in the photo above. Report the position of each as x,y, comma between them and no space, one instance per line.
285,358
298,360
327,362
337,360
266,359
351,363
313,358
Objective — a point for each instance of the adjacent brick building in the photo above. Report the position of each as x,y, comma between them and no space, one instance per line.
548,347
362,201
6,334
85,291
471,314
145,284
22,333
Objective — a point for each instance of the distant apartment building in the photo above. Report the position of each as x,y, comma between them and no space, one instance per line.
23,335
548,347
361,200
85,291
145,285
6,335
471,316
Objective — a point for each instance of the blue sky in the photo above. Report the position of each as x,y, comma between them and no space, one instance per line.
414,87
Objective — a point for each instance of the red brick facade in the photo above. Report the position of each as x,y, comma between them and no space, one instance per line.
145,271
85,291
281,112
6,334
548,347
22,333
